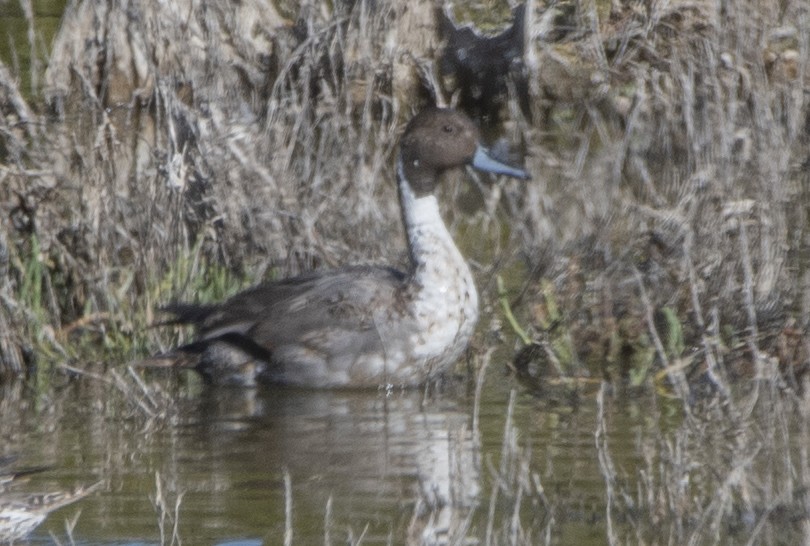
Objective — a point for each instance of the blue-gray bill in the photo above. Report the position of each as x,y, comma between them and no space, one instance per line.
485,162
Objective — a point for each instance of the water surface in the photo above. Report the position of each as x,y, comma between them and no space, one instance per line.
238,465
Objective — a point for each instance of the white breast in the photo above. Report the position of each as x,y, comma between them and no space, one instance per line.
445,302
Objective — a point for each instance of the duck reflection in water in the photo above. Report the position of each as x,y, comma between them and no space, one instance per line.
397,462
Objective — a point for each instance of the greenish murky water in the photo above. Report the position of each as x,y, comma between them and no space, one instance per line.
365,466
26,36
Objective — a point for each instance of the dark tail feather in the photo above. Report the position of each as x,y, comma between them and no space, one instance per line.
230,359
189,355
186,357
185,313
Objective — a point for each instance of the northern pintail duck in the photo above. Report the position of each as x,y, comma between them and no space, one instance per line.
358,326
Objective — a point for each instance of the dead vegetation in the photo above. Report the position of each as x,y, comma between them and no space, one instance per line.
178,151
187,151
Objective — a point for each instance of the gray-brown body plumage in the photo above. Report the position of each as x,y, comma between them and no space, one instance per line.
358,326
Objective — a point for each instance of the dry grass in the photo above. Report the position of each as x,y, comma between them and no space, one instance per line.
182,153
728,473
116,206
669,220
724,471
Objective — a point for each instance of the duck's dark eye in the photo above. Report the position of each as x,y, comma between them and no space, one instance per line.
448,129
